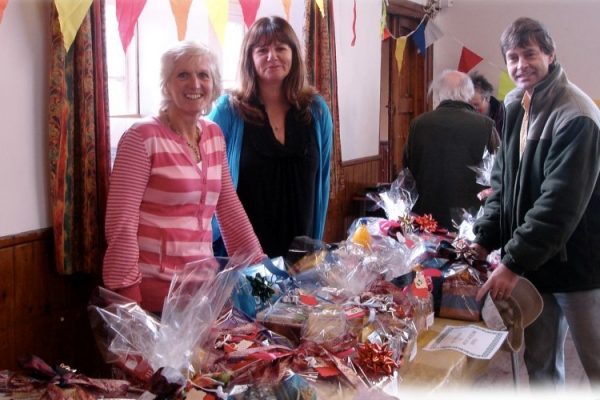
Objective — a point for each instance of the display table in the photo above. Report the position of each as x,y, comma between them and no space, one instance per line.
429,371
434,370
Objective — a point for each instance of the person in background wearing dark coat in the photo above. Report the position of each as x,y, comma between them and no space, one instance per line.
485,103
544,211
442,145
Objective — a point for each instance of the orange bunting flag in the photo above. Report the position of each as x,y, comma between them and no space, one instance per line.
218,12
400,46
321,7
286,7
128,12
353,25
249,9
70,16
468,60
3,4
181,10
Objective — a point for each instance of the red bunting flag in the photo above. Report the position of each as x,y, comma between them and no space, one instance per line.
468,60
249,9
128,12
353,25
386,34
3,4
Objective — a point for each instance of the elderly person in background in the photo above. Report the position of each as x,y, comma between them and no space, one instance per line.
442,146
170,176
278,132
485,103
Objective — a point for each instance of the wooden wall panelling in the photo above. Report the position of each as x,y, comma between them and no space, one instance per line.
7,284
358,175
44,313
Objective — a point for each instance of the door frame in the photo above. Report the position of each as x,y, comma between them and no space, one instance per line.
405,95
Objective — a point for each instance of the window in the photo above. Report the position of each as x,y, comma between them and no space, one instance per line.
134,77
122,68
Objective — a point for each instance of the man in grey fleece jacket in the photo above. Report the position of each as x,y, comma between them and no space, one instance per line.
544,212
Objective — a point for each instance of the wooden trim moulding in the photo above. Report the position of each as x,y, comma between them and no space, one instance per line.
405,8
360,160
25,237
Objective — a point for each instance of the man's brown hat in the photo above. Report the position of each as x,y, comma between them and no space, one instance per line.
519,311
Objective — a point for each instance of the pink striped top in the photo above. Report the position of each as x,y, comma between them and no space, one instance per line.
160,205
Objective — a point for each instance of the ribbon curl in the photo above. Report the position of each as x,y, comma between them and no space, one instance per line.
376,358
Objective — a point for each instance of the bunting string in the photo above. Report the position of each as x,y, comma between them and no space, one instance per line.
426,33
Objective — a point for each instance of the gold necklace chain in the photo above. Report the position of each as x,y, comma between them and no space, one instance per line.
192,145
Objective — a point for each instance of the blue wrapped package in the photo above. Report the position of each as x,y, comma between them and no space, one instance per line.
261,285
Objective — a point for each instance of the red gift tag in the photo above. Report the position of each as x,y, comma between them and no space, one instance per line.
308,299
327,372
419,285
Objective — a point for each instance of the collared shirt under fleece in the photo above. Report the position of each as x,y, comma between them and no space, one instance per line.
161,203
544,211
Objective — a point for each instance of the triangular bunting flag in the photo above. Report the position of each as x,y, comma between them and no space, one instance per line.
218,12
418,37
383,22
249,9
320,5
505,85
432,33
286,8
353,25
400,46
3,4
386,34
181,10
70,16
128,12
468,60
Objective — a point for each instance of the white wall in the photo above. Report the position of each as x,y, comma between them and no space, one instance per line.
24,40
478,24
358,76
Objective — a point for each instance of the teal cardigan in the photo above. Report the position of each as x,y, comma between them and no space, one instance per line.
232,125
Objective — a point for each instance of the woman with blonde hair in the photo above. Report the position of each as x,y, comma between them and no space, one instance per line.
169,178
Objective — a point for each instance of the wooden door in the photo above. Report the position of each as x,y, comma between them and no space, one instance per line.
407,89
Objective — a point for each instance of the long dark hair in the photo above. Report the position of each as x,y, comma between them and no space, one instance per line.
296,89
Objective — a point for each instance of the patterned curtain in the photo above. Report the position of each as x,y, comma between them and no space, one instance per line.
319,38
79,144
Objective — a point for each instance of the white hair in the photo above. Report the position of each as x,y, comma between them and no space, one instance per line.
452,85
174,54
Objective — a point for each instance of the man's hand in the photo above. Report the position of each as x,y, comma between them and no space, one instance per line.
500,284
